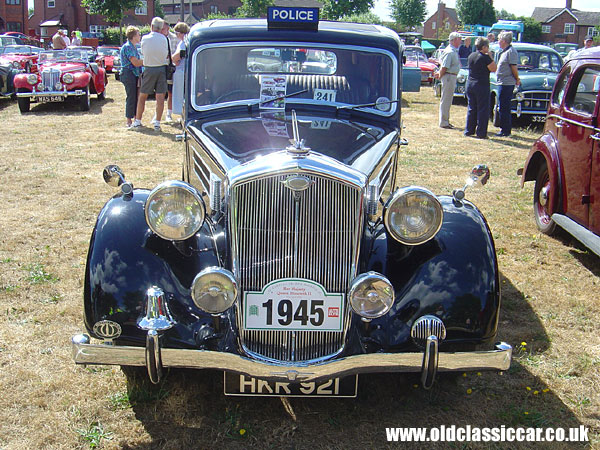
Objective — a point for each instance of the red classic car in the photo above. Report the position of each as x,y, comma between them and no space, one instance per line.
565,161
111,58
416,57
61,74
21,57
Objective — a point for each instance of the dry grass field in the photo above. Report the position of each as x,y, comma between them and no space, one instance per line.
51,163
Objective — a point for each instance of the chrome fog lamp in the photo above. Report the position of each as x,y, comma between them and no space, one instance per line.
58,85
371,295
413,215
16,65
214,290
461,78
67,78
174,210
520,96
32,78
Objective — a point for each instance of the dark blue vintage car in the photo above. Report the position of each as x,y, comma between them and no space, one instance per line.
288,256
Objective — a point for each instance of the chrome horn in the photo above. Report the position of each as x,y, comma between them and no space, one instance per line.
479,174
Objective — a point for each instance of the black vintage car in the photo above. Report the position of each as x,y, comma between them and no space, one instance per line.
7,76
288,255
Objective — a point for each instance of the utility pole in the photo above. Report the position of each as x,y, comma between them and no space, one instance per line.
182,8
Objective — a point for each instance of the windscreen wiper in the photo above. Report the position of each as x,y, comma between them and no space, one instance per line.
368,105
281,97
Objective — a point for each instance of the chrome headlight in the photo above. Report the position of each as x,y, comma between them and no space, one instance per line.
520,96
32,78
214,290
174,210
413,215
67,78
371,295
461,78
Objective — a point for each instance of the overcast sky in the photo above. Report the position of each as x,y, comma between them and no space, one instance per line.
517,7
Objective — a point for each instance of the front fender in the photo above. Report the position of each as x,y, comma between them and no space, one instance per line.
126,258
454,277
20,81
81,80
545,151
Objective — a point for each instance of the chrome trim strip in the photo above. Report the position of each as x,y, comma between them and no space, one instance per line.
573,122
86,353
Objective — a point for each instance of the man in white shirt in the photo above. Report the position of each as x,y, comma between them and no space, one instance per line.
65,37
154,78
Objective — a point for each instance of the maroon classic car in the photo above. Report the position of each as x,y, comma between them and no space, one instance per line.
110,54
565,161
61,74
20,57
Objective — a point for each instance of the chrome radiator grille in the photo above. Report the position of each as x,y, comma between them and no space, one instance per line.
279,233
49,78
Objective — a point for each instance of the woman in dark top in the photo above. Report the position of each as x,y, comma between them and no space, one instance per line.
478,89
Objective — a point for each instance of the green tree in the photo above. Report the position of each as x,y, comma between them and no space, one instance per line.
368,17
158,11
334,9
505,15
409,13
112,10
532,29
253,8
474,12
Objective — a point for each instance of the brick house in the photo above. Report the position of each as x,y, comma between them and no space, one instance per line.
566,24
200,9
13,15
50,15
444,20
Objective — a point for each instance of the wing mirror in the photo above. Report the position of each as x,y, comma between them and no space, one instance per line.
479,174
114,176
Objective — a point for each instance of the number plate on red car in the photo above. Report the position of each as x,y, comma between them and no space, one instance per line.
293,304
51,98
244,385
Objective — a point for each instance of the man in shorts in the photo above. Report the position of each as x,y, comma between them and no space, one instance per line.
154,77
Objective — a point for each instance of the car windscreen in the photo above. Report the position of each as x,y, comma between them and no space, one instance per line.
19,49
63,56
228,74
530,60
108,51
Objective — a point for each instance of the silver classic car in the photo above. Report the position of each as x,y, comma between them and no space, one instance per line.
290,255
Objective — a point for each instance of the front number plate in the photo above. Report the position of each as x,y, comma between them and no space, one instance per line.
243,385
51,98
293,304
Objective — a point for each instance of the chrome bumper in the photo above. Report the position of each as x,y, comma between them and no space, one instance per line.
86,353
76,92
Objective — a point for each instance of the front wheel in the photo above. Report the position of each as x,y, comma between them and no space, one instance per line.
24,102
84,100
541,201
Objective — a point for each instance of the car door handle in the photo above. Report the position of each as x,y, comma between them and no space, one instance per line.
596,136
559,124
